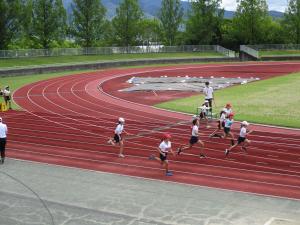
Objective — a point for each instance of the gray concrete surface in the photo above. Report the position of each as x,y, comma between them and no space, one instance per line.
33,193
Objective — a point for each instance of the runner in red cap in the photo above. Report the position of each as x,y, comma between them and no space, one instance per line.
164,148
194,140
227,128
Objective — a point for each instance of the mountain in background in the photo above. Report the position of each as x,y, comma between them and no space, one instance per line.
152,7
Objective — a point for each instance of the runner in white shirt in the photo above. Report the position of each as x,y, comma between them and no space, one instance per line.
163,149
243,138
209,94
228,109
221,123
194,140
118,139
3,135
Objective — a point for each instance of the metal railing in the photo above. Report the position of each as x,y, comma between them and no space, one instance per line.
27,53
250,51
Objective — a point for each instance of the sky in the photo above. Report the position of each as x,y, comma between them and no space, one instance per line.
277,5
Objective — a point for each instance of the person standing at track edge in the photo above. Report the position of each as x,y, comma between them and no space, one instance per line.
7,97
3,135
118,139
209,94
164,148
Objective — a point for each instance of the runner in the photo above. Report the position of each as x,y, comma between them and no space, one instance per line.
227,128
228,109
242,138
163,149
194,140
221,123
118,139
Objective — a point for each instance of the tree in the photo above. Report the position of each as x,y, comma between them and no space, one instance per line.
9,22
170,15
49,22
88,22
204,22
150,31
126,23
249,20
292,21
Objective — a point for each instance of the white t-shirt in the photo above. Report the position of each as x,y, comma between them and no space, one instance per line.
195,131
208,91
119,129
6,92
204,108
223,117
3,130
243,132
228,111
164,147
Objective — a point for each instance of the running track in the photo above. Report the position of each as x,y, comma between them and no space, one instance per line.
67,121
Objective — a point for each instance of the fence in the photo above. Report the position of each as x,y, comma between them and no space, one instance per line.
272,47
23,53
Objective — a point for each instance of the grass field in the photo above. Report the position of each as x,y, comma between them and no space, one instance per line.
24,62
279,53
274,101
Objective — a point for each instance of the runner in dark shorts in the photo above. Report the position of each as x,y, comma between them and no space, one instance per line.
193,140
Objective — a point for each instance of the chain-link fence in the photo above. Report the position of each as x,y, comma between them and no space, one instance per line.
22,53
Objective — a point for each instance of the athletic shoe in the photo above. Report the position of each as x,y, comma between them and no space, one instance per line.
226,152
202,156
121,156
232,142
169,173
151,157
179,150
2,161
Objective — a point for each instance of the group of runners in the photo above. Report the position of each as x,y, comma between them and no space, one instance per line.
223,131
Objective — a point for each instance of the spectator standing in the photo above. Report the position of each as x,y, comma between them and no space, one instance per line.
7,97
209,94
3,135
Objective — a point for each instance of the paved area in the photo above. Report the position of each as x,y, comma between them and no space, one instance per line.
33,193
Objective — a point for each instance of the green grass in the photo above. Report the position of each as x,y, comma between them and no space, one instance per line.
274,101
25,62
279,53
18,81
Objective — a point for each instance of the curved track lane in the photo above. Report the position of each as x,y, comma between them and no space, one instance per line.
68,120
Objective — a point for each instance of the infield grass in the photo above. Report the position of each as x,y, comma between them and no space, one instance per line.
39,61
275,101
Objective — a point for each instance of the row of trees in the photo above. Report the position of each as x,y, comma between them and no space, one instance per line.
45,24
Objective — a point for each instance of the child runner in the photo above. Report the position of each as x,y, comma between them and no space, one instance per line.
163,149
242,138
118,139
228,109
221,123
227,128
194,139
204,112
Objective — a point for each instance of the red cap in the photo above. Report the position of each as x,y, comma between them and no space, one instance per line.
228,105
231,114
166,136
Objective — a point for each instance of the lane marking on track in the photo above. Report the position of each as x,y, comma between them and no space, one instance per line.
264,163
294,166
275,156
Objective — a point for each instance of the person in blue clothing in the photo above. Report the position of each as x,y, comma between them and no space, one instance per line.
227,128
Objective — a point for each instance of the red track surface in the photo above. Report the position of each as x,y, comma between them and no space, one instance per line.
68,120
